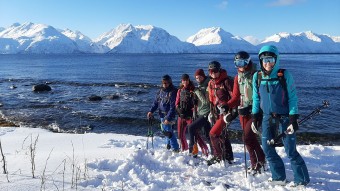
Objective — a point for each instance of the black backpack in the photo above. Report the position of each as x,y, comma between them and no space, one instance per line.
186,102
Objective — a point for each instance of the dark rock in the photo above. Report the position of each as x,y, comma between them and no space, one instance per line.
113,97
95,98
41,88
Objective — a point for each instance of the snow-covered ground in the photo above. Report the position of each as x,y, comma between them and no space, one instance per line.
122,162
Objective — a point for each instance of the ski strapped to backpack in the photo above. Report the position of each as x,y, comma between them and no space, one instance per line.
275,142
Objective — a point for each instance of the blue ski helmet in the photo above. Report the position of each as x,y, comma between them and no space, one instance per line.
268,50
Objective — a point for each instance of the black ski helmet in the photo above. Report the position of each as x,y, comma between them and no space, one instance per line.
242,55
214,65
167,78
242,59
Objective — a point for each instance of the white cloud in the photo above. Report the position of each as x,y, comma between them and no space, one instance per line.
285,2
223,5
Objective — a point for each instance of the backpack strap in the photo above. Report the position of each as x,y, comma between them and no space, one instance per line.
259,78
282,79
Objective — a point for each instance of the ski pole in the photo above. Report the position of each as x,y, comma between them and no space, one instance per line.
315,112
150,133
244,150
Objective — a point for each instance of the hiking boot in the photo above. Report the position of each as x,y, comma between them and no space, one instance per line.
299,185
176,150
213,160
168,146
277,182
257,169
194,151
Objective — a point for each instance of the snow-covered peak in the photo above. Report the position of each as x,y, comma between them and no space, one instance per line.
213,35
30,30
74,35
252,40
126,38
120,29
336,38
310,35
216,40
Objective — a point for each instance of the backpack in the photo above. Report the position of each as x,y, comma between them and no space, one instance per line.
227,86
280,78
186,102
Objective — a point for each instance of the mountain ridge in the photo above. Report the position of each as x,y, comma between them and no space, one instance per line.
33,38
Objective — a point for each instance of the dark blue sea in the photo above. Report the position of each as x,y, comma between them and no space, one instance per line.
128,84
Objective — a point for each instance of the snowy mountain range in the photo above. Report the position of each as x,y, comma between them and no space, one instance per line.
30,38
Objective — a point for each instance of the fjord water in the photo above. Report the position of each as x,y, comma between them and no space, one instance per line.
128,84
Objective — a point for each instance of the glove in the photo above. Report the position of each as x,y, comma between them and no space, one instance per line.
294,126
256,123
223,109
211,118
227,118
179,111
149,115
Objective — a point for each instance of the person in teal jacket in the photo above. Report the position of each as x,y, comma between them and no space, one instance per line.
279,104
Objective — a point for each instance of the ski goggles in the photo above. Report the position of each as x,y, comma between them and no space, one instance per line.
268,59
240,63
215,70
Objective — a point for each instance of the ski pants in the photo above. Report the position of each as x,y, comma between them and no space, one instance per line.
220,141
171,139
201,123
182,124
277,168
256,153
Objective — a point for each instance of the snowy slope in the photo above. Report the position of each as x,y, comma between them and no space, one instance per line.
126,38
252,40
110,161
84,43
39,38
216,40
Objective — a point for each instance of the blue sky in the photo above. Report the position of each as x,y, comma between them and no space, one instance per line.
181,18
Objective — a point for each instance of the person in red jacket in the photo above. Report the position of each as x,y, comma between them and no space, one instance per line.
184,107
242,97
219,87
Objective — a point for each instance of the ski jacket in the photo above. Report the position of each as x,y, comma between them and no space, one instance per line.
271,97
202,96
220,89
165,103
243,89
185,99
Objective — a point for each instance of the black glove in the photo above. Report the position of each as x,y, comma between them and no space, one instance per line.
257,122
293,121
179,111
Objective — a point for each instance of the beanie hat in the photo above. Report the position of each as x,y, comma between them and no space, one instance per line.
199,72
185,77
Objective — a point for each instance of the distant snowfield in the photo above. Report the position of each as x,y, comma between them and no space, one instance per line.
121,162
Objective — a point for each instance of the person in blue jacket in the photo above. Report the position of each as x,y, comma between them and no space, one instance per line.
165,103
279,104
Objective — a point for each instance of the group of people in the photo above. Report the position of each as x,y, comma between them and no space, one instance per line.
261,98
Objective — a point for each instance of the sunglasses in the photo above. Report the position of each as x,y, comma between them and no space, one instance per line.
215,70
240,63
268,59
